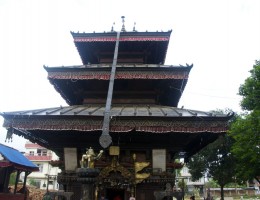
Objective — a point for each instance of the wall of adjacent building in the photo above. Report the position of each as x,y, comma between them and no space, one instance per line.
47,174
192,186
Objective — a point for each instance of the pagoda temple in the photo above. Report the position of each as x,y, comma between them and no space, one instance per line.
123,100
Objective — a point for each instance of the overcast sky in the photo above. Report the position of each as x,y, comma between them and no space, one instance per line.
220,37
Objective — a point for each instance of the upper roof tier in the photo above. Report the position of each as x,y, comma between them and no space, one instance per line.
134,47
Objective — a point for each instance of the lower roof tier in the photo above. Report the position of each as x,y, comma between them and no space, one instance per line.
134,127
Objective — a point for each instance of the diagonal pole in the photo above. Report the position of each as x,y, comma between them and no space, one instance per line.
105,139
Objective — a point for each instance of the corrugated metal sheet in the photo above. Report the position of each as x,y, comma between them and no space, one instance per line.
17,159
118,110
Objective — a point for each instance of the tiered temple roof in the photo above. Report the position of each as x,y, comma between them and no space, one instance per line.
144,113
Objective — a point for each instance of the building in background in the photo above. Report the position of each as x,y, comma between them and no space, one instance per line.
46,177
197,186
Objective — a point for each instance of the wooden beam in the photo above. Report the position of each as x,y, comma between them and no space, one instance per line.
16,180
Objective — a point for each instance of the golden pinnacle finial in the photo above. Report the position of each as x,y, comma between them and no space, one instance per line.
123,26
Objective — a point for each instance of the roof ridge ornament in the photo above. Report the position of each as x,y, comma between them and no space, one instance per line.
134,27
123,25
112,28
9,134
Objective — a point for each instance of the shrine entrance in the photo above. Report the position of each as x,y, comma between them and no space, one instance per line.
115,181
115,194
115,186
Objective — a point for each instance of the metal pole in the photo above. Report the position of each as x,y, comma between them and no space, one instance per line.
48,177
105,139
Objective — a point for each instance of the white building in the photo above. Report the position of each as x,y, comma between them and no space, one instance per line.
192,185
46,178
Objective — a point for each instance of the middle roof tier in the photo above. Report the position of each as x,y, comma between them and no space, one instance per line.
138,84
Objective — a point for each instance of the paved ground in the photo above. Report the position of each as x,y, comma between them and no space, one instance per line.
226,198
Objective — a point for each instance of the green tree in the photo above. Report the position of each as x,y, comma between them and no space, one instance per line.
183,185
212,184
250,90
246,148
32,182
12,178
215,160
246,129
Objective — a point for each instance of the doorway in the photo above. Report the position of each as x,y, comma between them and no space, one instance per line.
115,194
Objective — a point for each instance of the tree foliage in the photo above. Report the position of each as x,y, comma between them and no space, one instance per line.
216,161
250,90
212,184
246,148
32,182
246,129
12,178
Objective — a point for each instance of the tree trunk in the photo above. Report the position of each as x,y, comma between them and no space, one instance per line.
221,192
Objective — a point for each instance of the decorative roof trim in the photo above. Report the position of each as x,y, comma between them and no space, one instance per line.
105,75
132,67
119,125
122,39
